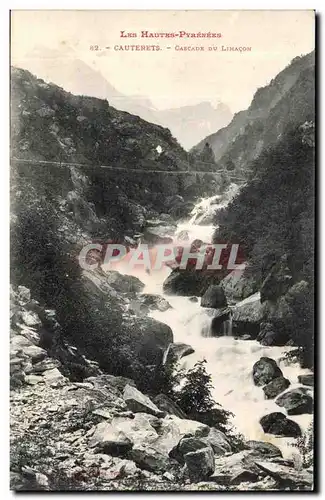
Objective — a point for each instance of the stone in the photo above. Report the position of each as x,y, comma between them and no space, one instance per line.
149,458
200,464
36,353
287,476
307,379
159,234
110,440
193,299
263,448
235,468
277,423
265,370
138,402
167,405
247,315
24,294
33,379
270,335
218,441
214,297
275,387
52,376
30,318
176,351
296,402
187,445
46,364
124,282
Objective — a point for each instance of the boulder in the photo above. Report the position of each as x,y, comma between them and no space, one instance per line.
218,441
188,282
214,297
296,402
307,379
36,353
218,321
265,370
200,464
153,302
275,387
236,468
272,335
167,405
287,477
263,448
110,440
176,351
193,299
187,445
247,315
30,318
149,458
159,234
138,402
123,282
277,423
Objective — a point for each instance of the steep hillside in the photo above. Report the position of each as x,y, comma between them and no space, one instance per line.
286,102
273,220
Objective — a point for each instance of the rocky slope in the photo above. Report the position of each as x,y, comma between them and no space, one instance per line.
287,101
75,428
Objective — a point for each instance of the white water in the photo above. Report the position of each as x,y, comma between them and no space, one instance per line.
229,361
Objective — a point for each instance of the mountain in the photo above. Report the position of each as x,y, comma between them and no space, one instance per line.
188,124
272,218
287,101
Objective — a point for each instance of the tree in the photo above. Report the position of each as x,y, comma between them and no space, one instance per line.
196,400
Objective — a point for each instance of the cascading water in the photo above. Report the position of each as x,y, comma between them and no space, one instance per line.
229,360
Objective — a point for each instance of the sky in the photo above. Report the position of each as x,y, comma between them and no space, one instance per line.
169,77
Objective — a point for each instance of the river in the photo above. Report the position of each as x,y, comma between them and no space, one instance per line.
229,360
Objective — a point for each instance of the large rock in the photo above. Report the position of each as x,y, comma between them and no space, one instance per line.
275,387
187,445
307,379
247,315
214,297
237,285
188,282
277,423
236,468
176,351
270,334
220,318
159,234
287,477
138,402
296,402
200,464
124,282
153,302
218,441
263,448
110,440
167,405
265,370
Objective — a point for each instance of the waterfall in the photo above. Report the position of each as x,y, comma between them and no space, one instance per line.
229,360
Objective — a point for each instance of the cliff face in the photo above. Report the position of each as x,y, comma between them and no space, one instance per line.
286,102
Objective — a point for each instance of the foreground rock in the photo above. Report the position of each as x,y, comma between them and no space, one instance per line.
123,282
214,297
277,423
265,370
176,351
189,282
237,285
306,379
287,477
275,387
264,448
296,402
138,402
151,302
200,464
247,316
